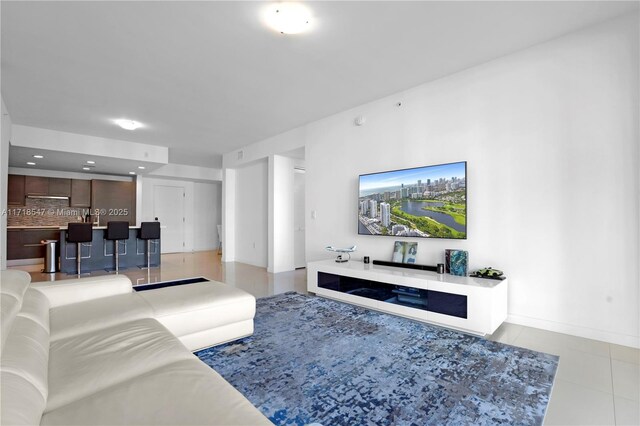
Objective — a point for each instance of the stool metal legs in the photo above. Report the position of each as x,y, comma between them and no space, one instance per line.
78,259
117,257
78,256
148,266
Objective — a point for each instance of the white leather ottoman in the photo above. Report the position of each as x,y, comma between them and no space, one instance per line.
203,314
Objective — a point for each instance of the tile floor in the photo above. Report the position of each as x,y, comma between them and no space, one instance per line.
597,383
253,279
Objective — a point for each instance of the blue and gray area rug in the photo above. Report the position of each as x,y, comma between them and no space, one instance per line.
313,360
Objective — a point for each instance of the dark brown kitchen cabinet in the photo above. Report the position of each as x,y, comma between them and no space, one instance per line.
15,190
25,243
116,200
60,187
36,185
14,244
80,193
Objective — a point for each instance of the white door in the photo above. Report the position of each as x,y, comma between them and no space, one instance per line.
168,207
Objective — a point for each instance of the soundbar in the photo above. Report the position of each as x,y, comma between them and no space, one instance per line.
406,265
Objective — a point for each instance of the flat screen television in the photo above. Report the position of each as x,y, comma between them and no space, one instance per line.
426,202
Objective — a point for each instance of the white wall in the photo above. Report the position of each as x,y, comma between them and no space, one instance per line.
183,171
285,142
67,175
229,215
34,137
551,139
280,218
251,211
202,205
5,131
207,210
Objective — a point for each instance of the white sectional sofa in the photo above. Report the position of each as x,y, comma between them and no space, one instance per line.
92,351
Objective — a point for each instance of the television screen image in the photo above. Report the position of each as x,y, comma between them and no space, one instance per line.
427,202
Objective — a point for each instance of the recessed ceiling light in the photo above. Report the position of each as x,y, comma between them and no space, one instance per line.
30,163
141,167
38,156
132,173
128,124
86,168
288,17
91,162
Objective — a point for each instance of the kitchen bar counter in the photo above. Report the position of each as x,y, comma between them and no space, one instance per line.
33,227
99,254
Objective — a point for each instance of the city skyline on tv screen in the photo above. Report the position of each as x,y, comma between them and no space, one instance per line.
425,202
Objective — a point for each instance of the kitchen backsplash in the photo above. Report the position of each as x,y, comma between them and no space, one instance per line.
44,212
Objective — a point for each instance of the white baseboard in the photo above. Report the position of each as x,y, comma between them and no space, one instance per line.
587,333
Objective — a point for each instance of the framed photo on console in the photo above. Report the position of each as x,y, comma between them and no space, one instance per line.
456,262
404,252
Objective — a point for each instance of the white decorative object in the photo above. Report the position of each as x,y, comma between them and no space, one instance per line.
342,251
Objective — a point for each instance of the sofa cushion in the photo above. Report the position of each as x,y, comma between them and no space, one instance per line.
13,285
35,306
14,282
87,363
192,308
21,402
79,318
77,290
27,353
182,393
9,308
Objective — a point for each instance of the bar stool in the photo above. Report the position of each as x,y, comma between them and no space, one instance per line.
117,230
149,231
79,233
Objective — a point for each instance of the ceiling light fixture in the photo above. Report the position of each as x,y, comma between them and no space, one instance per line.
38,156
141,167
86,168
91,162
30,163
132,173
128,124
288,17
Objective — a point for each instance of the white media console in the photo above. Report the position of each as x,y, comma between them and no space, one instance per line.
474,305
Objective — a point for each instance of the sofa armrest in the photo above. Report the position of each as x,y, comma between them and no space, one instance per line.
66,292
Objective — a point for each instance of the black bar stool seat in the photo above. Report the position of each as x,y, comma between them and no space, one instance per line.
79,233
149,231
117,231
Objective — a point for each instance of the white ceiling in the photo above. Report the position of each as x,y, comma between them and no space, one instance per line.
208,77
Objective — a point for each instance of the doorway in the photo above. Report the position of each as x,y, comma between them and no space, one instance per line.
299,257
168,208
